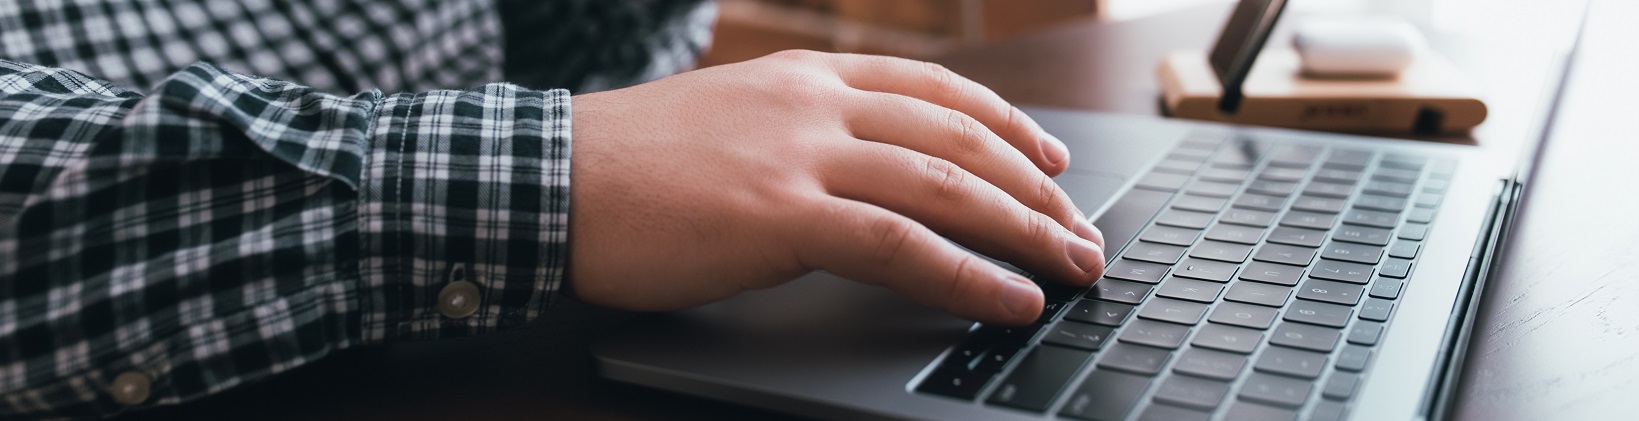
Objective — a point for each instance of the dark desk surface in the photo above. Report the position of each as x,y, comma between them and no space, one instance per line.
1557,338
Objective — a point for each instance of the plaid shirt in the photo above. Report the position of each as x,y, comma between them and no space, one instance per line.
194,228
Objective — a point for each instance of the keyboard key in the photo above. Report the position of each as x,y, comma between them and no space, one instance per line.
1283,174
1010,334
1039,377
1260,202
1228,338
1243,315
1389,189
1170,235
1303,237
1272,273
1184,219
1099,312
1332,190
1331,292
1380,203
1386,288
1213,189
1192,392
1318,313
1396,175
966,355
1284,254
1177,166
1248,217
1353,273
1338,176
1420,215
1291,362
1353,159
1371,218
1353,358
1050,310
1119,291
1256,293
1428,200
1235,234
1198,203
1156,334
997,357
1135,359
1404,162
1396,268
1365,333
959,384
1154,253
1404,249
1245,411
1159,412
1134,270
1205,270
1414,231
1328,411
1358,253
1192,290
1363,235
1055,291
1272,188
1221,251
1275,390
1105,396
1078,335
1295,156
1226,175
1376,309
1180,312
1301,219
1302,336
1162,181
1318,204
1340,386
1210,364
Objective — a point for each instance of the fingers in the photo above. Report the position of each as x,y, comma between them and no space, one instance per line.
954,202
945,133
873,245
933,83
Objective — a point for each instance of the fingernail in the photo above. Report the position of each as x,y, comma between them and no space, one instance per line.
1020,295
1086,230
1053,149
1086,255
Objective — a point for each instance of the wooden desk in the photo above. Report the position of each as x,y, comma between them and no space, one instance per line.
1558,334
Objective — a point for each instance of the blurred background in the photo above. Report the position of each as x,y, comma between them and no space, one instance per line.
924,29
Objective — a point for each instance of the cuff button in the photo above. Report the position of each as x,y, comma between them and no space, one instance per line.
131,388
458,300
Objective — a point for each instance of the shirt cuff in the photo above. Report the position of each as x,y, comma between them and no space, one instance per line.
463,211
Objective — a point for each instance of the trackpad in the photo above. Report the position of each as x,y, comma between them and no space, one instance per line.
1089,191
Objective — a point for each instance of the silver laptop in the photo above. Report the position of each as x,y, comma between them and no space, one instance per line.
1254,274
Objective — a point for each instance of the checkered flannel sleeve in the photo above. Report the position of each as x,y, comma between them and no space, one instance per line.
222,228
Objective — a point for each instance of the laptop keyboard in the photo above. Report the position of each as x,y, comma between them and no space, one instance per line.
1259,279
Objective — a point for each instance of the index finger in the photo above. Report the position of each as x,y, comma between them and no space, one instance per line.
934,83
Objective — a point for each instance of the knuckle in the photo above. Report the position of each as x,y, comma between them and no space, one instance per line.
943,80
945,180
892,237
1041,230
970,135
795,55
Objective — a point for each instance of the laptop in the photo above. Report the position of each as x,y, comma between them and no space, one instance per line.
1254,274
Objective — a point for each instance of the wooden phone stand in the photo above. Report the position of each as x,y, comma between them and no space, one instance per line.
1430,97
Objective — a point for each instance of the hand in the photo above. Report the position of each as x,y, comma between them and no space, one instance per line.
696,187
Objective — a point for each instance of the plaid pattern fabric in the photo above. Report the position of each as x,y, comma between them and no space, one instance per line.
207,228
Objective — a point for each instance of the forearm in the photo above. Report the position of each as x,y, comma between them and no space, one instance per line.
225,228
